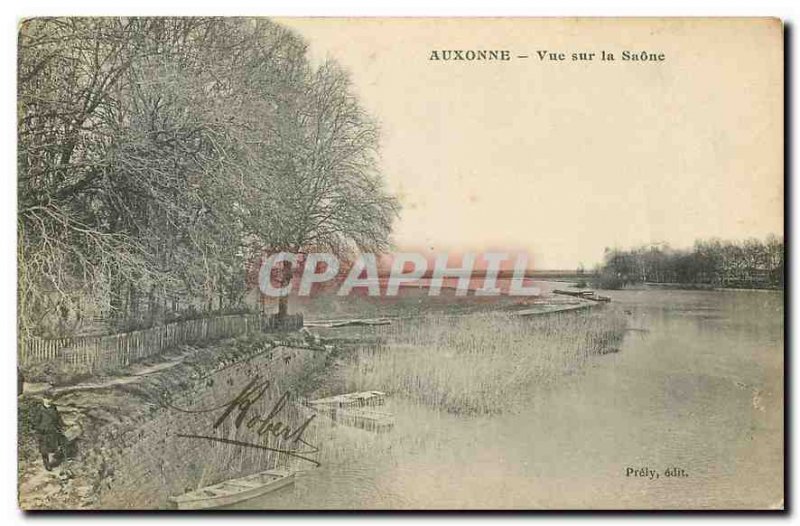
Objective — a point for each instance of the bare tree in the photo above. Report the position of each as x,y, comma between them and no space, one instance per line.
130,173
326,193
158,155
67,70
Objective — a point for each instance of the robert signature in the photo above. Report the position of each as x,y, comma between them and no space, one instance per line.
260,424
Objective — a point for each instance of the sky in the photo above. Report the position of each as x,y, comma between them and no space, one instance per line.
561,159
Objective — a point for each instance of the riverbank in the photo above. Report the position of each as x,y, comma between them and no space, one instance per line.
125,428
129,451
695,286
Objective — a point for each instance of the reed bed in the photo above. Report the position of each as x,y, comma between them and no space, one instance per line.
480,363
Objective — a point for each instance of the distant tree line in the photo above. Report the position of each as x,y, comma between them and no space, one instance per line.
713,263
159,157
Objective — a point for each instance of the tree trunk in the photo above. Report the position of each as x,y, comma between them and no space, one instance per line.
152,306
283,306
286,280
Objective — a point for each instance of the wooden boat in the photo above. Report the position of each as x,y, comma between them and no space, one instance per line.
355,410
335,324
574,293
366,419
362,399
359,417
583,294
233,491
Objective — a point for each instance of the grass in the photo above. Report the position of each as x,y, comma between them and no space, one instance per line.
481,363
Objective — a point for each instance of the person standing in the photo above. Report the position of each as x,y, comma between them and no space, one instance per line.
49,429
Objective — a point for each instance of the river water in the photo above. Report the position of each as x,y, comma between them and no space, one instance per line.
697,386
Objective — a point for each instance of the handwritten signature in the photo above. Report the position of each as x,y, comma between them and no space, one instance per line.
261,425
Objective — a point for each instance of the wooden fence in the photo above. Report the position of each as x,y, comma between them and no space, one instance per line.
92,353
289,322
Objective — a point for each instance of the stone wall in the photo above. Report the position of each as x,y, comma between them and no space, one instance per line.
141,464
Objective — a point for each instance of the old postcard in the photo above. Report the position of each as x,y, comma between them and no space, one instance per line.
400,264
